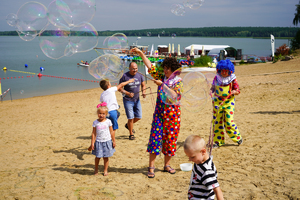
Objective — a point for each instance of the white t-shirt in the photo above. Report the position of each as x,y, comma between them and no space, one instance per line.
102,130
109,96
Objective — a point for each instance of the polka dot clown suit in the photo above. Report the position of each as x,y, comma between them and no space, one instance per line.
166,120
224,104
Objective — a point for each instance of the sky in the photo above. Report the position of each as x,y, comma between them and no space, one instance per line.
141,14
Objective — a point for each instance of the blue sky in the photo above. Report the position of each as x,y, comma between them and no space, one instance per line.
142,14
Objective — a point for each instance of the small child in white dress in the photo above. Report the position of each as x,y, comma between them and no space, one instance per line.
103,138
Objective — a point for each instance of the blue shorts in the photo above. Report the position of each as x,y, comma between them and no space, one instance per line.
113,116
133,109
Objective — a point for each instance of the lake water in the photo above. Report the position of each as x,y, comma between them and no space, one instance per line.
15,53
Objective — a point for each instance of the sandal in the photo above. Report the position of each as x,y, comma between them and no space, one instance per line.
171,169
126,126
131,137
151,174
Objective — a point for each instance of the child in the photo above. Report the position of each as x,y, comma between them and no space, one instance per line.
204,183
225,87
109,96
103,138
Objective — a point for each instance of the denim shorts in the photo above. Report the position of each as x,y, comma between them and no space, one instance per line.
113,116
133,109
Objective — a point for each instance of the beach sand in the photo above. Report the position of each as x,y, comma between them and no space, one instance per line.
44,141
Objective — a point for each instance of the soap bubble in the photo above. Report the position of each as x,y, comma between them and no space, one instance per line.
173,35
22,92
149,34
105,46
54,15
107,66
32,19
168,94
83,38
54,41
196,91
75,12
178,9
117,41
27,35
193,4
12,19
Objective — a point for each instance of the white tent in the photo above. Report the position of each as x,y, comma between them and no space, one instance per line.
216,51
198,47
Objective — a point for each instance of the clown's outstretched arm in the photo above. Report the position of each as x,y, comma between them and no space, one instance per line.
143,56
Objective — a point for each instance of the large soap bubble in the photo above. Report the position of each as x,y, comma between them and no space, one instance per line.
83,38
12,19
54,41
32,19
193,4
196,91
117,41
54,15
107,66
178,9
27,35
172,84
75,12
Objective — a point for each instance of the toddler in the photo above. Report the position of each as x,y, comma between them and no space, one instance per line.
103,138
204,183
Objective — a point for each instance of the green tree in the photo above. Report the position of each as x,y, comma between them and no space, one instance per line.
295,42
297,15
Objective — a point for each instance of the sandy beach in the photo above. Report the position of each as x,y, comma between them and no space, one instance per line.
44,141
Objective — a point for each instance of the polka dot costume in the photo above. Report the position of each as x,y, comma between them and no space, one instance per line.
223,117
166,122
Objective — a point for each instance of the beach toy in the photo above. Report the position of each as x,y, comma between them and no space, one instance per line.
42,68
186,167
26,65
4,68
40,75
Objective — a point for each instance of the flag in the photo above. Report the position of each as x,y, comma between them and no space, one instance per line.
272,44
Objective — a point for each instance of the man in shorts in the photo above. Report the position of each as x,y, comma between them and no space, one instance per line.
131,97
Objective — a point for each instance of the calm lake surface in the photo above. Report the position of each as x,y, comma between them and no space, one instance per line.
15,53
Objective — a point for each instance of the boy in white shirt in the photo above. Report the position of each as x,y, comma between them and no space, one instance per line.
109,96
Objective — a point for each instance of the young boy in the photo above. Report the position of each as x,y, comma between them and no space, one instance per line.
204,183
109,96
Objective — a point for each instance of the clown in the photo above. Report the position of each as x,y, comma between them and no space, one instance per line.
225,87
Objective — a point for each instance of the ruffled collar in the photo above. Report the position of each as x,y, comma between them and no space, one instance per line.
225,80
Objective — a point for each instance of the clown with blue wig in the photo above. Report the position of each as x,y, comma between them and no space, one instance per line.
225,87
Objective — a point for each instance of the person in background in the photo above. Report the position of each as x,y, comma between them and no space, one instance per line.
225,87
131,97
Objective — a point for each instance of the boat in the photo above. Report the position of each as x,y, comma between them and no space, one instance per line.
83,64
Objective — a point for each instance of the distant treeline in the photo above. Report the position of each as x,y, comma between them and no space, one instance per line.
260,32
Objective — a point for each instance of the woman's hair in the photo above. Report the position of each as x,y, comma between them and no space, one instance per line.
102,106
225,64
171,63
194,143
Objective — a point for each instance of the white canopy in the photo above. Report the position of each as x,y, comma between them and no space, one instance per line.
198,47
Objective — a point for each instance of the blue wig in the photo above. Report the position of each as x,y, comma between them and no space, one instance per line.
225,64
